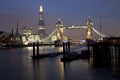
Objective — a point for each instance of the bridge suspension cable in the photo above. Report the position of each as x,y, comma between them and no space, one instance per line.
99,33
48,37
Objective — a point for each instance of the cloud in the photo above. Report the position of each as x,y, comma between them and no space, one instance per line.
113,4
9,21
20,10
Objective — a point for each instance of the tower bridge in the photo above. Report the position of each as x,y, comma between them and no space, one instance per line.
89,29
58,32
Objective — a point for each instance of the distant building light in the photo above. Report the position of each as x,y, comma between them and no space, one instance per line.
65,41
73,26
82,40
41,28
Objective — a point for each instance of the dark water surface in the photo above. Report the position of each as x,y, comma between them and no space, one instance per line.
16,64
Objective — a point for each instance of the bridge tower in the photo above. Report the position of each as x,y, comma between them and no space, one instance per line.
59,32
89,29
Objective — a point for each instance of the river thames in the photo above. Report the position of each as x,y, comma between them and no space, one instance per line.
17,64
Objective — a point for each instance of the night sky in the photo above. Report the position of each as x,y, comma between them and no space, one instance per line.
71,12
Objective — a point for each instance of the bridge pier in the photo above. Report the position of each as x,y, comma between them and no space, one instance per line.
33,49
34,52
37,49
66,48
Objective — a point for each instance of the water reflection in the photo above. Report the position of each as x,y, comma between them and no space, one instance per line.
36,70
48,69
16,64
65,71
59,49
46,49
30,48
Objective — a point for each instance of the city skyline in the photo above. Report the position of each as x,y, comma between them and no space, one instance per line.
70,12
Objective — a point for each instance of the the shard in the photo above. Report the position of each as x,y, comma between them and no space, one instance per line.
41,25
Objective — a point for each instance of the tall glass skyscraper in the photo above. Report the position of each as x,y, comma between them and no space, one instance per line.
41,25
